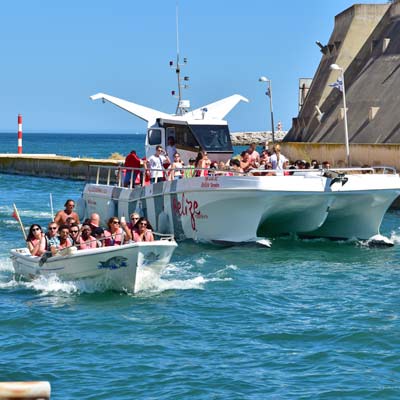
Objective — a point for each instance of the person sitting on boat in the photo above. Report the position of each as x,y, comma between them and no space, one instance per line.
132,161
235,166
74,233
253,155
143,231
36,240
64,240
156,165
277,159
98,233
133,219
94,221
116,235
245,162
86,240
62,215
52,239
171,148
176,167
202,163
70,221
189,170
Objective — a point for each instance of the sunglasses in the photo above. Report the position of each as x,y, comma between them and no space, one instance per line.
134,218
53,228
143,223
70,205
115,222
74,231
35,229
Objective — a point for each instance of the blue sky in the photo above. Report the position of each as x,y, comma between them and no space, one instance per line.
56,54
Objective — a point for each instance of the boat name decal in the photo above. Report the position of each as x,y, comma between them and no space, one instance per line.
113,263
186,207
210,182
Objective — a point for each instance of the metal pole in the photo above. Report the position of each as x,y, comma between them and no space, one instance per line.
272,111
346,131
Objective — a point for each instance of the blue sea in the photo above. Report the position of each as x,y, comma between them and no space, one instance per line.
306,319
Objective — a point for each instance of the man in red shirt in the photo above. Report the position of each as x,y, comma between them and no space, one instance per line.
131,161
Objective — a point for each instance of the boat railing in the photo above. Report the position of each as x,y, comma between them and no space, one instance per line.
127,177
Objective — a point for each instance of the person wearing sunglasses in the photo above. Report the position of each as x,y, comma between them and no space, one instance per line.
143,231
52,238
74,233
36,240
116,234
62,215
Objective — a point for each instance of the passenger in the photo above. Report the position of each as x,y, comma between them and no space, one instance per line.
171,148
64,240
36,240
94,221
202,163
133,219
53,241
62,215
143,232
132,161
116,235
254,155
235,166
245,163
86,240
189,170
264,158
268,168
156,164
176,168
70,221
326,165
99,236
277,159
74,233
314,164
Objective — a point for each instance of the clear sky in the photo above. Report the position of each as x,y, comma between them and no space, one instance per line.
55,54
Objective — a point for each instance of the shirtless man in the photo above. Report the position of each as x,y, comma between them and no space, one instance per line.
62,215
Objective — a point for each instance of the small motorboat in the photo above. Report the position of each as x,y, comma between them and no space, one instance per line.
111,267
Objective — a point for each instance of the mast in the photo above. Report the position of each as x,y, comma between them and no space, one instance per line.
183,105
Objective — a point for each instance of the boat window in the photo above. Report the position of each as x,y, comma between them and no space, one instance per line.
213,137
154,136
170,131
184,137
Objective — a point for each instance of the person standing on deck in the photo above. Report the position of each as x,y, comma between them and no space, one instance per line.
132,161
277,159
62,215
155,163
171,148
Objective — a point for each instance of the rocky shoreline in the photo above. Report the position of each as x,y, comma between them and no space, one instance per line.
260,138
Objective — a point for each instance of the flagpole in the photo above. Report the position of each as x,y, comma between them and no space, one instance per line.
51,207
19,220
346,130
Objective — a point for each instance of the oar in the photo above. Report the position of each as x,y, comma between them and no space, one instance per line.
18,218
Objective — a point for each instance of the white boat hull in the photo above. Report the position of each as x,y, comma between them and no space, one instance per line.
247,208
112,267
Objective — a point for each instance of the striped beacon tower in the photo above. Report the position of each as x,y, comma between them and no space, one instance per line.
19,134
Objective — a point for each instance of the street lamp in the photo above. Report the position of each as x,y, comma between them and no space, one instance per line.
336,67
269,94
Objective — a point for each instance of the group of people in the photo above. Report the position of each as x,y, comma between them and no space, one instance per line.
168,165
67,231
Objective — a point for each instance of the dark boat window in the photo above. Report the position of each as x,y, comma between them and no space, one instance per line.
184,137
213,137
154,136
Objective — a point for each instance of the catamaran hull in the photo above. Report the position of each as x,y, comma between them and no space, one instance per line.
110,267
246,208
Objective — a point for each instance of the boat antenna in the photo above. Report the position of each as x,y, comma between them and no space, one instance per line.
183,105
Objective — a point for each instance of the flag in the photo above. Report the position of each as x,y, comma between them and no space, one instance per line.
268,92
338,84
14,215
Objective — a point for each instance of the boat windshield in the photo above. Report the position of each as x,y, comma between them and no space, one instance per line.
213,138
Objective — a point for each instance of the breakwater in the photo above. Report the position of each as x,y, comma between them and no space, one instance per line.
261,138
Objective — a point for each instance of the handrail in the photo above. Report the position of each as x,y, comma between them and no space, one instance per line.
104,172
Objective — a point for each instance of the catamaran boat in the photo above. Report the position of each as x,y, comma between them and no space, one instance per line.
112,267
235,208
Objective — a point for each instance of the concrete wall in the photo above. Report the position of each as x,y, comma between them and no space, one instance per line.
50,166
360,154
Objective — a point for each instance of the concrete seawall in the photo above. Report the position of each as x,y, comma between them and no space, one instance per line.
50,166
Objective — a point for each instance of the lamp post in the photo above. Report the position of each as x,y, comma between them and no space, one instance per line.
269,94
336,67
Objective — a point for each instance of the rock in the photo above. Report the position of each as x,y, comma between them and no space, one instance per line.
245,138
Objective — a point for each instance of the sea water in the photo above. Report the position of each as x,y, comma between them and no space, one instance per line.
305,319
